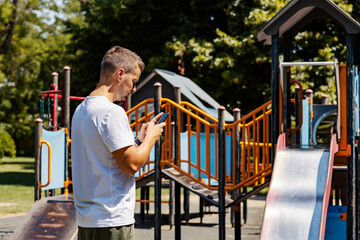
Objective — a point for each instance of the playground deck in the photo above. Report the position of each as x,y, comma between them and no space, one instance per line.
193,230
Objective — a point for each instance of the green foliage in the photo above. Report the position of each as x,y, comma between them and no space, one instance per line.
7,145
215,41
32,46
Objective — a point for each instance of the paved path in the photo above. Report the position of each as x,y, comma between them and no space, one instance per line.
208,230
8,225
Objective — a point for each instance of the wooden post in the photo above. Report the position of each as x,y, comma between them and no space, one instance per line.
38,134
66,120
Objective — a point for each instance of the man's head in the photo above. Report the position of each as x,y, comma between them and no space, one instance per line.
120,69
118,57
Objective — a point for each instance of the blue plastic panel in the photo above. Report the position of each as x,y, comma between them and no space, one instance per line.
56,139
335,227
184,153
305,132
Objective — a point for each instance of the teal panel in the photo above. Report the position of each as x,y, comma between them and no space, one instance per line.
305,130
56,139
193,153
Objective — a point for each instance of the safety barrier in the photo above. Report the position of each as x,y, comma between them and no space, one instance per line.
255,147
198,143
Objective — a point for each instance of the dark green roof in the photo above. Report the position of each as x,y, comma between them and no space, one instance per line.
298,13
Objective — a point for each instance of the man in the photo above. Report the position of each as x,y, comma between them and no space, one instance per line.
104,154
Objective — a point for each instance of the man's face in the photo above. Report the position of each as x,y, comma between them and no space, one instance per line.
127,84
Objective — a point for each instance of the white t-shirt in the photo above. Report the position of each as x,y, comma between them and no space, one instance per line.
104,195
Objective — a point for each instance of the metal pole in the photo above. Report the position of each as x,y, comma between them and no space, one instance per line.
128,102
55,82
142,205
274,93
237,209
288,64
187,205
352,221
171,182
38,134
309,95
66,97
66,119
297,113
287,46
221,172
157,97
54,114
177,92
324,99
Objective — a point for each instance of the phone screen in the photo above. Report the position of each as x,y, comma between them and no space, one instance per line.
163,117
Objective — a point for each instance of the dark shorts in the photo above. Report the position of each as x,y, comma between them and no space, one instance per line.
110,233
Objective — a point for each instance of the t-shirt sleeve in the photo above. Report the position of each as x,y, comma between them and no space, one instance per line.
116,132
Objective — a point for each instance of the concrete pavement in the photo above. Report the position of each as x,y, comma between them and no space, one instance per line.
193,230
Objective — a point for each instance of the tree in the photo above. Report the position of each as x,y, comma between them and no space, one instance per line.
235,64
32,47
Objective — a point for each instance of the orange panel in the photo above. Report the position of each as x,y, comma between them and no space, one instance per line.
343,140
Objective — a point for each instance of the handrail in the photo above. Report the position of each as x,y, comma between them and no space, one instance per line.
254,144
265,105
196,117
149,100
49,162
199,110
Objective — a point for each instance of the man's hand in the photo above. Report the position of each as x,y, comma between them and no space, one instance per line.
130,159
143,131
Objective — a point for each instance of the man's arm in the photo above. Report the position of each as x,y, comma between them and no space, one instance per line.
130,159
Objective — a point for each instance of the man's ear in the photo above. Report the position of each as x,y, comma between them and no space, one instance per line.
120,73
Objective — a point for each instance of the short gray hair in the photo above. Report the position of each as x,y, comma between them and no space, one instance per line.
119,57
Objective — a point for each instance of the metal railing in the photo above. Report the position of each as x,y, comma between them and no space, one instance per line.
198,143
255,145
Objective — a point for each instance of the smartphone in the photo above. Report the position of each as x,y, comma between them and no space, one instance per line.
163,117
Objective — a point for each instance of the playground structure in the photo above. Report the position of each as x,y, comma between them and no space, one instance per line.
209,157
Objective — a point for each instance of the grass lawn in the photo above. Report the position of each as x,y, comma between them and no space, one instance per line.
16,185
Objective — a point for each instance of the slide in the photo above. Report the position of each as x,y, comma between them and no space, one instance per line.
297,201
49,218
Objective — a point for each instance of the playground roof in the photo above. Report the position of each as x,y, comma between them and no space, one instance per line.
298,13
190,91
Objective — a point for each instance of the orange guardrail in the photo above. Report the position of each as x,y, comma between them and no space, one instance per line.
254,147
49,163
197,133
138,115
196,127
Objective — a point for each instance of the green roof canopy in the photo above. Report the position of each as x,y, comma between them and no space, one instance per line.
298,13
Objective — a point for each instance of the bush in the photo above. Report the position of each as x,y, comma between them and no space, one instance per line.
7,145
